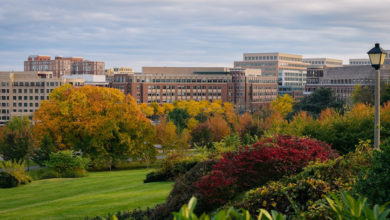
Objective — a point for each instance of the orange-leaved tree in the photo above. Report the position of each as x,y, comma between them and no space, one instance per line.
102,123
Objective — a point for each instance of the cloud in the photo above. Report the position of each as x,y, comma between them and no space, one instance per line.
178,32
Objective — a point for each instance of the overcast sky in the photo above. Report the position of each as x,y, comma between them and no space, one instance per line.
140,33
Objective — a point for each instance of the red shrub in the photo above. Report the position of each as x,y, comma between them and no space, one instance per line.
268,159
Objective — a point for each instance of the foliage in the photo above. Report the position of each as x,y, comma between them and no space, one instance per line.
67,164
178,116
173,166
282,104
296,196
187,213
362,94
182,191
16,139
320,99
269,159
103,123
342,131
42,154
13,174
357,209
304,192
135,214
375,183
201,135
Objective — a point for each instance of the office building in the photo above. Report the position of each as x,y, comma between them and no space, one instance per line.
22,92
288,69
64,66
118,70
247,89
316,69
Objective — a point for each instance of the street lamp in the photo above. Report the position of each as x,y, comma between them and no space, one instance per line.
377,56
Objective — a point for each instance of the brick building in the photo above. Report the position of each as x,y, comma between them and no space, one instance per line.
247,89
64,66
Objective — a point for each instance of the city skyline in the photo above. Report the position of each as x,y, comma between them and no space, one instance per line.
183,33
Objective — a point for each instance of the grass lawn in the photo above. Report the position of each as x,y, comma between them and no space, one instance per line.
98,194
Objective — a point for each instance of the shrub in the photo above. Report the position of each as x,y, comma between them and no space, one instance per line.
286,198
44,173
172,167
305,191
67,164
13,174
268,159
182,191
375,183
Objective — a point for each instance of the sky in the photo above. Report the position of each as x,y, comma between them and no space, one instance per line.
136,33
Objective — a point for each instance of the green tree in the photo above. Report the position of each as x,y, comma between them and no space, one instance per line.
16,139
362,94
42,154
319,100
179,117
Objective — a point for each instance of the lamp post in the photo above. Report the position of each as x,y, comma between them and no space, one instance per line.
377,56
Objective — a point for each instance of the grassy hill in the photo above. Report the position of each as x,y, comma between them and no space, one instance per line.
98,194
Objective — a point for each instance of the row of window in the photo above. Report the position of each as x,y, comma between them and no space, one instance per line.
36,83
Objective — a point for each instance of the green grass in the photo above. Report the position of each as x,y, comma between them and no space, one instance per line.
98,194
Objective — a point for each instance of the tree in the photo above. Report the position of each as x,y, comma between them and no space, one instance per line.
201,135
319,100
283,105
166,135
42,154
103,123
362,94
16,139
179,116
219,127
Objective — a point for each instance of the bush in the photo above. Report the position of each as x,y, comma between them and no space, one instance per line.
172,167
44,173
182,191
305,191
268,159
136,214
13,174
286,198
67,164
375,183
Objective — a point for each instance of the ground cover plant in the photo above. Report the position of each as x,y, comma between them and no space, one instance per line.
97,194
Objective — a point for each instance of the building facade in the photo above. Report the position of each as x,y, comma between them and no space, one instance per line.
288,69
22,92
118,70
247,89
64,66
342,80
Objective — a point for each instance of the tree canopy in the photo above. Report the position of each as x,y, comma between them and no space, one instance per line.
102,123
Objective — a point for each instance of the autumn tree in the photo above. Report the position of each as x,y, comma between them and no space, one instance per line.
16,139
283,105
219,127
102,123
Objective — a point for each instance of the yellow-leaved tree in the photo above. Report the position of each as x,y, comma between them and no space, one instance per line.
283,105
102,123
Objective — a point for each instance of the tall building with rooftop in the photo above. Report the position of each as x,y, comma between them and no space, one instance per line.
64,66
288,69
